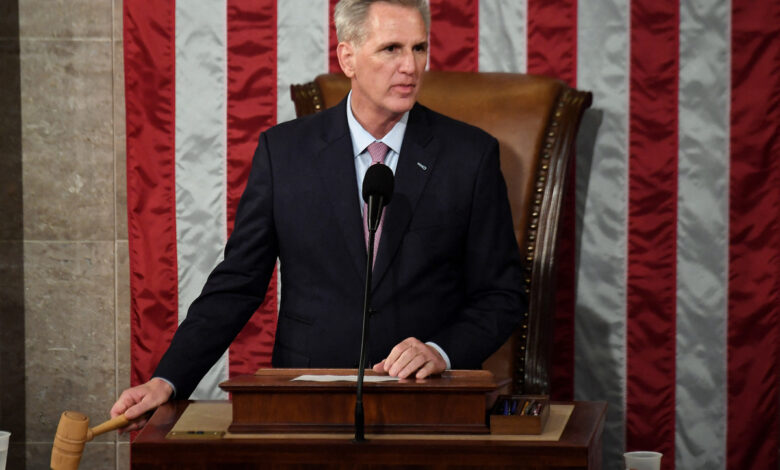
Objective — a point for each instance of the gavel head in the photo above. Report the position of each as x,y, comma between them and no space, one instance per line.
72,433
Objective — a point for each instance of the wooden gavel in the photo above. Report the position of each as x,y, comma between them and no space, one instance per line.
72,433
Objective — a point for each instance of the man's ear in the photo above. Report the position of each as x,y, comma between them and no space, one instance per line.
346,54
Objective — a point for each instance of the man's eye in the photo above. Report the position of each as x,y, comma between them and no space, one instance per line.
420,48
391,48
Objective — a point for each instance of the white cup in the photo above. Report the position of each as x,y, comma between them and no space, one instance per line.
643,460
4,437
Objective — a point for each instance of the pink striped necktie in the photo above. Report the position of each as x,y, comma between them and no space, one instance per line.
378,151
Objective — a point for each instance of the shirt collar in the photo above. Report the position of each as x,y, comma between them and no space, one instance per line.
361,138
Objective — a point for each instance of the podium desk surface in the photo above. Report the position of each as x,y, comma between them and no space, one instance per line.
578,448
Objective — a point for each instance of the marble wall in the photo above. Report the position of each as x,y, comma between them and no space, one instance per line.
64,300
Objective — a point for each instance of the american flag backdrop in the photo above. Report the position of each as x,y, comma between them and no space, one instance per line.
670,282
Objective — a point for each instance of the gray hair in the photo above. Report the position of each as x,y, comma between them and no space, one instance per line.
350,17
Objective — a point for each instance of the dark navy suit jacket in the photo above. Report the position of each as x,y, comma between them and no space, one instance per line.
447,268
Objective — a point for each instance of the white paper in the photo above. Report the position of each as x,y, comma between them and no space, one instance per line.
345,378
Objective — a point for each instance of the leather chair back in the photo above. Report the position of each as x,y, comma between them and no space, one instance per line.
535,120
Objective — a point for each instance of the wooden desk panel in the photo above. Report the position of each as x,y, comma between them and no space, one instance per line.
270,401
578,448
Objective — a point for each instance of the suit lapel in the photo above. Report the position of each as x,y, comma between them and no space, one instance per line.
415,163
336,167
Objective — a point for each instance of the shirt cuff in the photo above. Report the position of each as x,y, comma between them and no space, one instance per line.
441,352
173,387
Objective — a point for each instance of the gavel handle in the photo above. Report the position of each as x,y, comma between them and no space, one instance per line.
110,425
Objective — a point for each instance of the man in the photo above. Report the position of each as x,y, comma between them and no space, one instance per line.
447,275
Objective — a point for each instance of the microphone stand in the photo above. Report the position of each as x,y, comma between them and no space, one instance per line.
359,416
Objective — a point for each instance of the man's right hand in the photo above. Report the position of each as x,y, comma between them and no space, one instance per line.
136,401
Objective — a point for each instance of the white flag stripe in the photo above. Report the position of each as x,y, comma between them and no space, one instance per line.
201,150
702,236
602,189
503,45
301,48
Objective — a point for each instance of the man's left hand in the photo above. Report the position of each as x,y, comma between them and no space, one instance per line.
412,356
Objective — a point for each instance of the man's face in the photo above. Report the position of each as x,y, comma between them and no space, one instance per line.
386,69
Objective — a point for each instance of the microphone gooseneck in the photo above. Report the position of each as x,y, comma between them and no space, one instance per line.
377,192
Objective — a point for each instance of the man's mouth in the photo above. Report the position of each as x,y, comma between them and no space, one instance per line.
404,87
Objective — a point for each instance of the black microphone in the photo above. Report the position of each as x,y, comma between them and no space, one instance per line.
377,193
377,186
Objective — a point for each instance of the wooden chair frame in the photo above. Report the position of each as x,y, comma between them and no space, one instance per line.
525,359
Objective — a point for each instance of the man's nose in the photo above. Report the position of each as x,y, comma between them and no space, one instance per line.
408,64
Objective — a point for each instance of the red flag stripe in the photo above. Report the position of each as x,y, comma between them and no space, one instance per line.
454,38
251,109
333,41
552,51
552,39
754,238
652,229
149,54
251,93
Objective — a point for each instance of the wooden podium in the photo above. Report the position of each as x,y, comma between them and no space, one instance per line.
271,402
436,423
578,447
